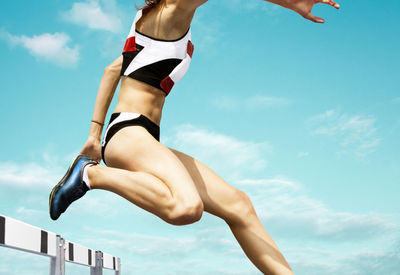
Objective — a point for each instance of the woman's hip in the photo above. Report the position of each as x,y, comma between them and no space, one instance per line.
120,120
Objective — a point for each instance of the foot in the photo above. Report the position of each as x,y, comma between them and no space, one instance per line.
70,188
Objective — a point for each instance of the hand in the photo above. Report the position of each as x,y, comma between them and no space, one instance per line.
92,149
304,7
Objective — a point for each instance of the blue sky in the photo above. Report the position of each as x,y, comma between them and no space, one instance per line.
304,117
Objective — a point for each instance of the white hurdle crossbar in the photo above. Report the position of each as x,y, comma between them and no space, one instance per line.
28,238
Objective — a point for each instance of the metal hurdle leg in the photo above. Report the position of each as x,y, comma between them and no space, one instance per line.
118,271
57,264
98,269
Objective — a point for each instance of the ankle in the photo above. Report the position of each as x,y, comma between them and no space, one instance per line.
92,172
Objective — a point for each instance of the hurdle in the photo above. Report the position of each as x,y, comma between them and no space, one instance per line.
28,238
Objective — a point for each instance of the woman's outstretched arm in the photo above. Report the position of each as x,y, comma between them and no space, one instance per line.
304,7
108,85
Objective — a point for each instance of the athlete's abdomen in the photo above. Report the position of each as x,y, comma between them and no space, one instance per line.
138,97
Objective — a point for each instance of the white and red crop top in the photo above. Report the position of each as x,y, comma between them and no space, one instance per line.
160,63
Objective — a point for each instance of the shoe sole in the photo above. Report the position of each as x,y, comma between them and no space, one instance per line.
61,182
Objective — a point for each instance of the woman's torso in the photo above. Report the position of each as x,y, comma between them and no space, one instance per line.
161,22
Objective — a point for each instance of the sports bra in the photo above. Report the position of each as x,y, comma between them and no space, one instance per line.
160,63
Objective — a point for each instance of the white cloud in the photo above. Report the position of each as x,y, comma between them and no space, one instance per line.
177,253
249,103
224,153
355,133
51,47
284,205
374,263
326,262
90,14
303,154
44,170
267,101
27,175
207,38
143,244
18,262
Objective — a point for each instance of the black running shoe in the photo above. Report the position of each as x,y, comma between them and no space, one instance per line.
70,188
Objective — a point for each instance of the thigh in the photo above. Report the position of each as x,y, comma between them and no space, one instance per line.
134,148
219,198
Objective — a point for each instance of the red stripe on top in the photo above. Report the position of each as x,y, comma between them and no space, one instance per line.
190,48
167,84
130,45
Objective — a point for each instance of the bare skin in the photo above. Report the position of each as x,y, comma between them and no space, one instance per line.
168,183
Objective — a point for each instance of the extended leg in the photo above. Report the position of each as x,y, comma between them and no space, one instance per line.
258,245
235,208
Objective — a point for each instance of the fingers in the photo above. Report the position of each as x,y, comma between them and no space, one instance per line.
314,18
329,2
317,19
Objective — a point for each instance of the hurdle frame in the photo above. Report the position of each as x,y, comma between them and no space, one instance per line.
21,236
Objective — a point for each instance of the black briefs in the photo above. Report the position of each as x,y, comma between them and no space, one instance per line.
123,119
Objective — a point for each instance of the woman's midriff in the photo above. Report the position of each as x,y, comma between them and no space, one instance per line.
138,97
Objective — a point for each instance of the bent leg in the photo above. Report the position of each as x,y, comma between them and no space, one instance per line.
141,189
146,173
235,208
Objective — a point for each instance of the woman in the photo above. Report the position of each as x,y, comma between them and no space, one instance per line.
170,184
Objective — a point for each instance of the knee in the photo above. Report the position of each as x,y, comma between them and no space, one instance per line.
241,209
184,213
